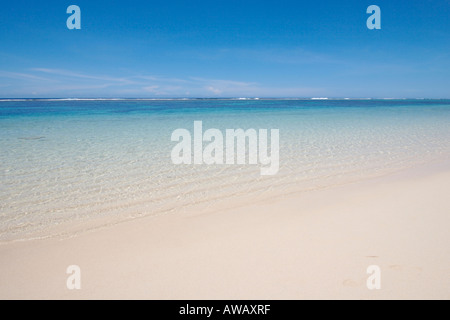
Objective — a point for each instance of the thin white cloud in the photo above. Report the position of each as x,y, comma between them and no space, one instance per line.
223,82
22,76
70,74
215,91
159,79
73,84
151,88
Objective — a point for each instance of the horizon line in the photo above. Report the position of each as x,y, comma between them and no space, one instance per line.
212,98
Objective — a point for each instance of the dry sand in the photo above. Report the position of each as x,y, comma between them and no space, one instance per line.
305,246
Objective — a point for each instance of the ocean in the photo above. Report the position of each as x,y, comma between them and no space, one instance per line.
68,166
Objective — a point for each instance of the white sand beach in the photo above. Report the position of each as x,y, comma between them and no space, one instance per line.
314,245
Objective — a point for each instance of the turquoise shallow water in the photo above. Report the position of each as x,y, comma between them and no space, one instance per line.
67,161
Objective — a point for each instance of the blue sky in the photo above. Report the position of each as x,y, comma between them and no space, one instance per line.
225,48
